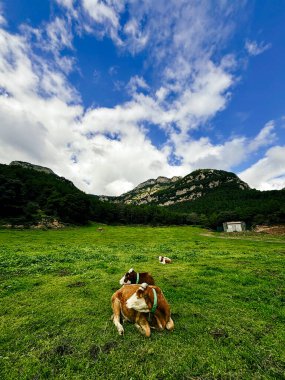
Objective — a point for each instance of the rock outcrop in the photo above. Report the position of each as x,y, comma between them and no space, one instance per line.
27,165
165,191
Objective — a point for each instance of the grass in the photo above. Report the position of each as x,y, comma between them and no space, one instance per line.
227,298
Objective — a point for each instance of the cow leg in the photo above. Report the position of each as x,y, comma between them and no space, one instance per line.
143,326
170,324
160,326
116,306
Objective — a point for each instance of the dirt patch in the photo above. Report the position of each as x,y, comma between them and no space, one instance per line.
64,272
63,349
176,315
77,284
109,346
198,315
95,350
271,230
48,223
219,333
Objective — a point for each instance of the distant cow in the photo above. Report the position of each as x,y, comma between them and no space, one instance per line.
143,305
164,260
132,277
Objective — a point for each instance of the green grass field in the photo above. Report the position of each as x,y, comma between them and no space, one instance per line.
226,294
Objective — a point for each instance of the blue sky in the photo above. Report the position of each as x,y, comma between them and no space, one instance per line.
112,93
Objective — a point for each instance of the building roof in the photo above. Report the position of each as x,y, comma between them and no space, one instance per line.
234,222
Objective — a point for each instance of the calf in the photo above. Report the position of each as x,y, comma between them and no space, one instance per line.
143,305
164,260
132,277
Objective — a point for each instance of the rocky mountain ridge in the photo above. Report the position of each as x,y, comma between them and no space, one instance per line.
27,165
204,197
165,191
159,180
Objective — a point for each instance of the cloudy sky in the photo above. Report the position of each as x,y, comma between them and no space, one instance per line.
111,93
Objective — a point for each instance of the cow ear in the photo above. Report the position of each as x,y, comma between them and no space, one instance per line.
140,293
142,289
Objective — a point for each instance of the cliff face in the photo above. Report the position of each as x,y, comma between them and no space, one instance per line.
143,193
168,191
27,165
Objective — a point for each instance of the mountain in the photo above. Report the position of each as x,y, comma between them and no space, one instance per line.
144,192
27,165
35,195
30,194
165,192
209,197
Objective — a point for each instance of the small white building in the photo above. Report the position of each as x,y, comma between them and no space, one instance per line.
234,226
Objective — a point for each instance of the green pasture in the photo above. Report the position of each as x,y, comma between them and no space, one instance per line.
227,295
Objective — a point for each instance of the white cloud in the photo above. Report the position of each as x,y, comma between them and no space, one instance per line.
136,35
66,3
101,12
2,18
254,48
106,150
269,172
52,38
135,83
265,137
103,17
59,34
111,149
119,186
206,96
38,125
202,153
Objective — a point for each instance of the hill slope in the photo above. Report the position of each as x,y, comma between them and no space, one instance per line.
164,191
210,197
29,194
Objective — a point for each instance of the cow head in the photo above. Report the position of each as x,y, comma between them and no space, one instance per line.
128,278
140,300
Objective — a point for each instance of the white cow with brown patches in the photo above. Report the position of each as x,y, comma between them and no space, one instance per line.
132,277
164,260
143,305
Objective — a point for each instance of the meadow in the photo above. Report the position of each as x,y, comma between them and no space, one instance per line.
226,294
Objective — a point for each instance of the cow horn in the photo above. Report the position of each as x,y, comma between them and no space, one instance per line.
143,286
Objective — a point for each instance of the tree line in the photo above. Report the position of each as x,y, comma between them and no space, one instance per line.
28,196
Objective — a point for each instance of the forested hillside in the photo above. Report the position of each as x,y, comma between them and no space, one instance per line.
228,203
29,195
168,191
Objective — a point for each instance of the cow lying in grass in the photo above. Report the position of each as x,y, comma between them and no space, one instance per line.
164,260
132,277
143,305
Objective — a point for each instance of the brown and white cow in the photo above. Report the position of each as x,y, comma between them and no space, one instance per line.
164,260
143,305
132,277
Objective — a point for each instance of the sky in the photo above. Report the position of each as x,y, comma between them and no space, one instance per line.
111,93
